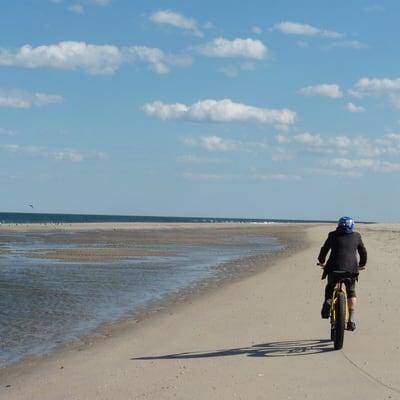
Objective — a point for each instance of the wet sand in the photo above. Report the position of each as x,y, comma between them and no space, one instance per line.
108,242
255,337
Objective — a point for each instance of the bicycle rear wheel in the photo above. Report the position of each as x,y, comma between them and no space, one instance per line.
340,311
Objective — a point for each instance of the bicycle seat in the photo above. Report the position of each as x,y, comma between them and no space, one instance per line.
342,275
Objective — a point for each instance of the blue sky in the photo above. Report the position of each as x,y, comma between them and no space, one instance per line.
276,109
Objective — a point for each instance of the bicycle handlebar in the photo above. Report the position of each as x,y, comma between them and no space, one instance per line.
323,266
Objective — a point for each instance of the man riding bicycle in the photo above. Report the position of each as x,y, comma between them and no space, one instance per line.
344,244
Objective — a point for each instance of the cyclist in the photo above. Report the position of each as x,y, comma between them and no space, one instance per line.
344,243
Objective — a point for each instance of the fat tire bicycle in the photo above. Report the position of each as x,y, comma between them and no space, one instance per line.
339,312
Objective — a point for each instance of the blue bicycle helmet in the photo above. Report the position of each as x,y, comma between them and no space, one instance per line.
346,224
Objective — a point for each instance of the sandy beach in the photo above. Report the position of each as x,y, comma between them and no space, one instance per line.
259,336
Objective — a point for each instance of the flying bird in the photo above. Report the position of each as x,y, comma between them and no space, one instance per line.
30,205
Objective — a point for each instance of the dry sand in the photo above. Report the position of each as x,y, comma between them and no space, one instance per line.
260,337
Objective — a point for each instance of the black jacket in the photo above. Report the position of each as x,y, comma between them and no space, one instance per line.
344,247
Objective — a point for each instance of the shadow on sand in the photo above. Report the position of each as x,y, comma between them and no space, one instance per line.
288,348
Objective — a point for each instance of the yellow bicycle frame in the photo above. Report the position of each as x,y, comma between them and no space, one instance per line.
340,287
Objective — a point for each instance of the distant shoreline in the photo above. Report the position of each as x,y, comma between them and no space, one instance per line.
90,226
57,218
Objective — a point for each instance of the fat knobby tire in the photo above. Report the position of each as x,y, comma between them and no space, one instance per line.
340,321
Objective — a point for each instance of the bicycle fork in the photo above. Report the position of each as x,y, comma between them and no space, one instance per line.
339,288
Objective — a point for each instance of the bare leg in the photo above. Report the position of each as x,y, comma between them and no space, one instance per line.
352,301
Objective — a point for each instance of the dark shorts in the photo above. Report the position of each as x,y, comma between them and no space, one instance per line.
350,287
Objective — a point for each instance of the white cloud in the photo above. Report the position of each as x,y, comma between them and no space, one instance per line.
352,44
213,143
95,59
44,152
209,177
393,136
257,30
282,139
192,159
21,99
340,142
295,28
308,139
232,71
276,177
156,58
167,17
257,177
387,145
367,86
328,90
350,156
334,171
354,109
302,43
237,48
279,154
77,8
388,89
317,142
220,111
216,143
366,164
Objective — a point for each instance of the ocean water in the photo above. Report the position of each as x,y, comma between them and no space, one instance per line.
7,218
46,303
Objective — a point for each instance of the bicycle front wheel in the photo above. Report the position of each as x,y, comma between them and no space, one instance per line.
340,311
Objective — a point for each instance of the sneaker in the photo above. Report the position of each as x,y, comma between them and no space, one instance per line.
326,309
351,326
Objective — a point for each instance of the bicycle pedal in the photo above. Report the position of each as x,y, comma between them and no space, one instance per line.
351,326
